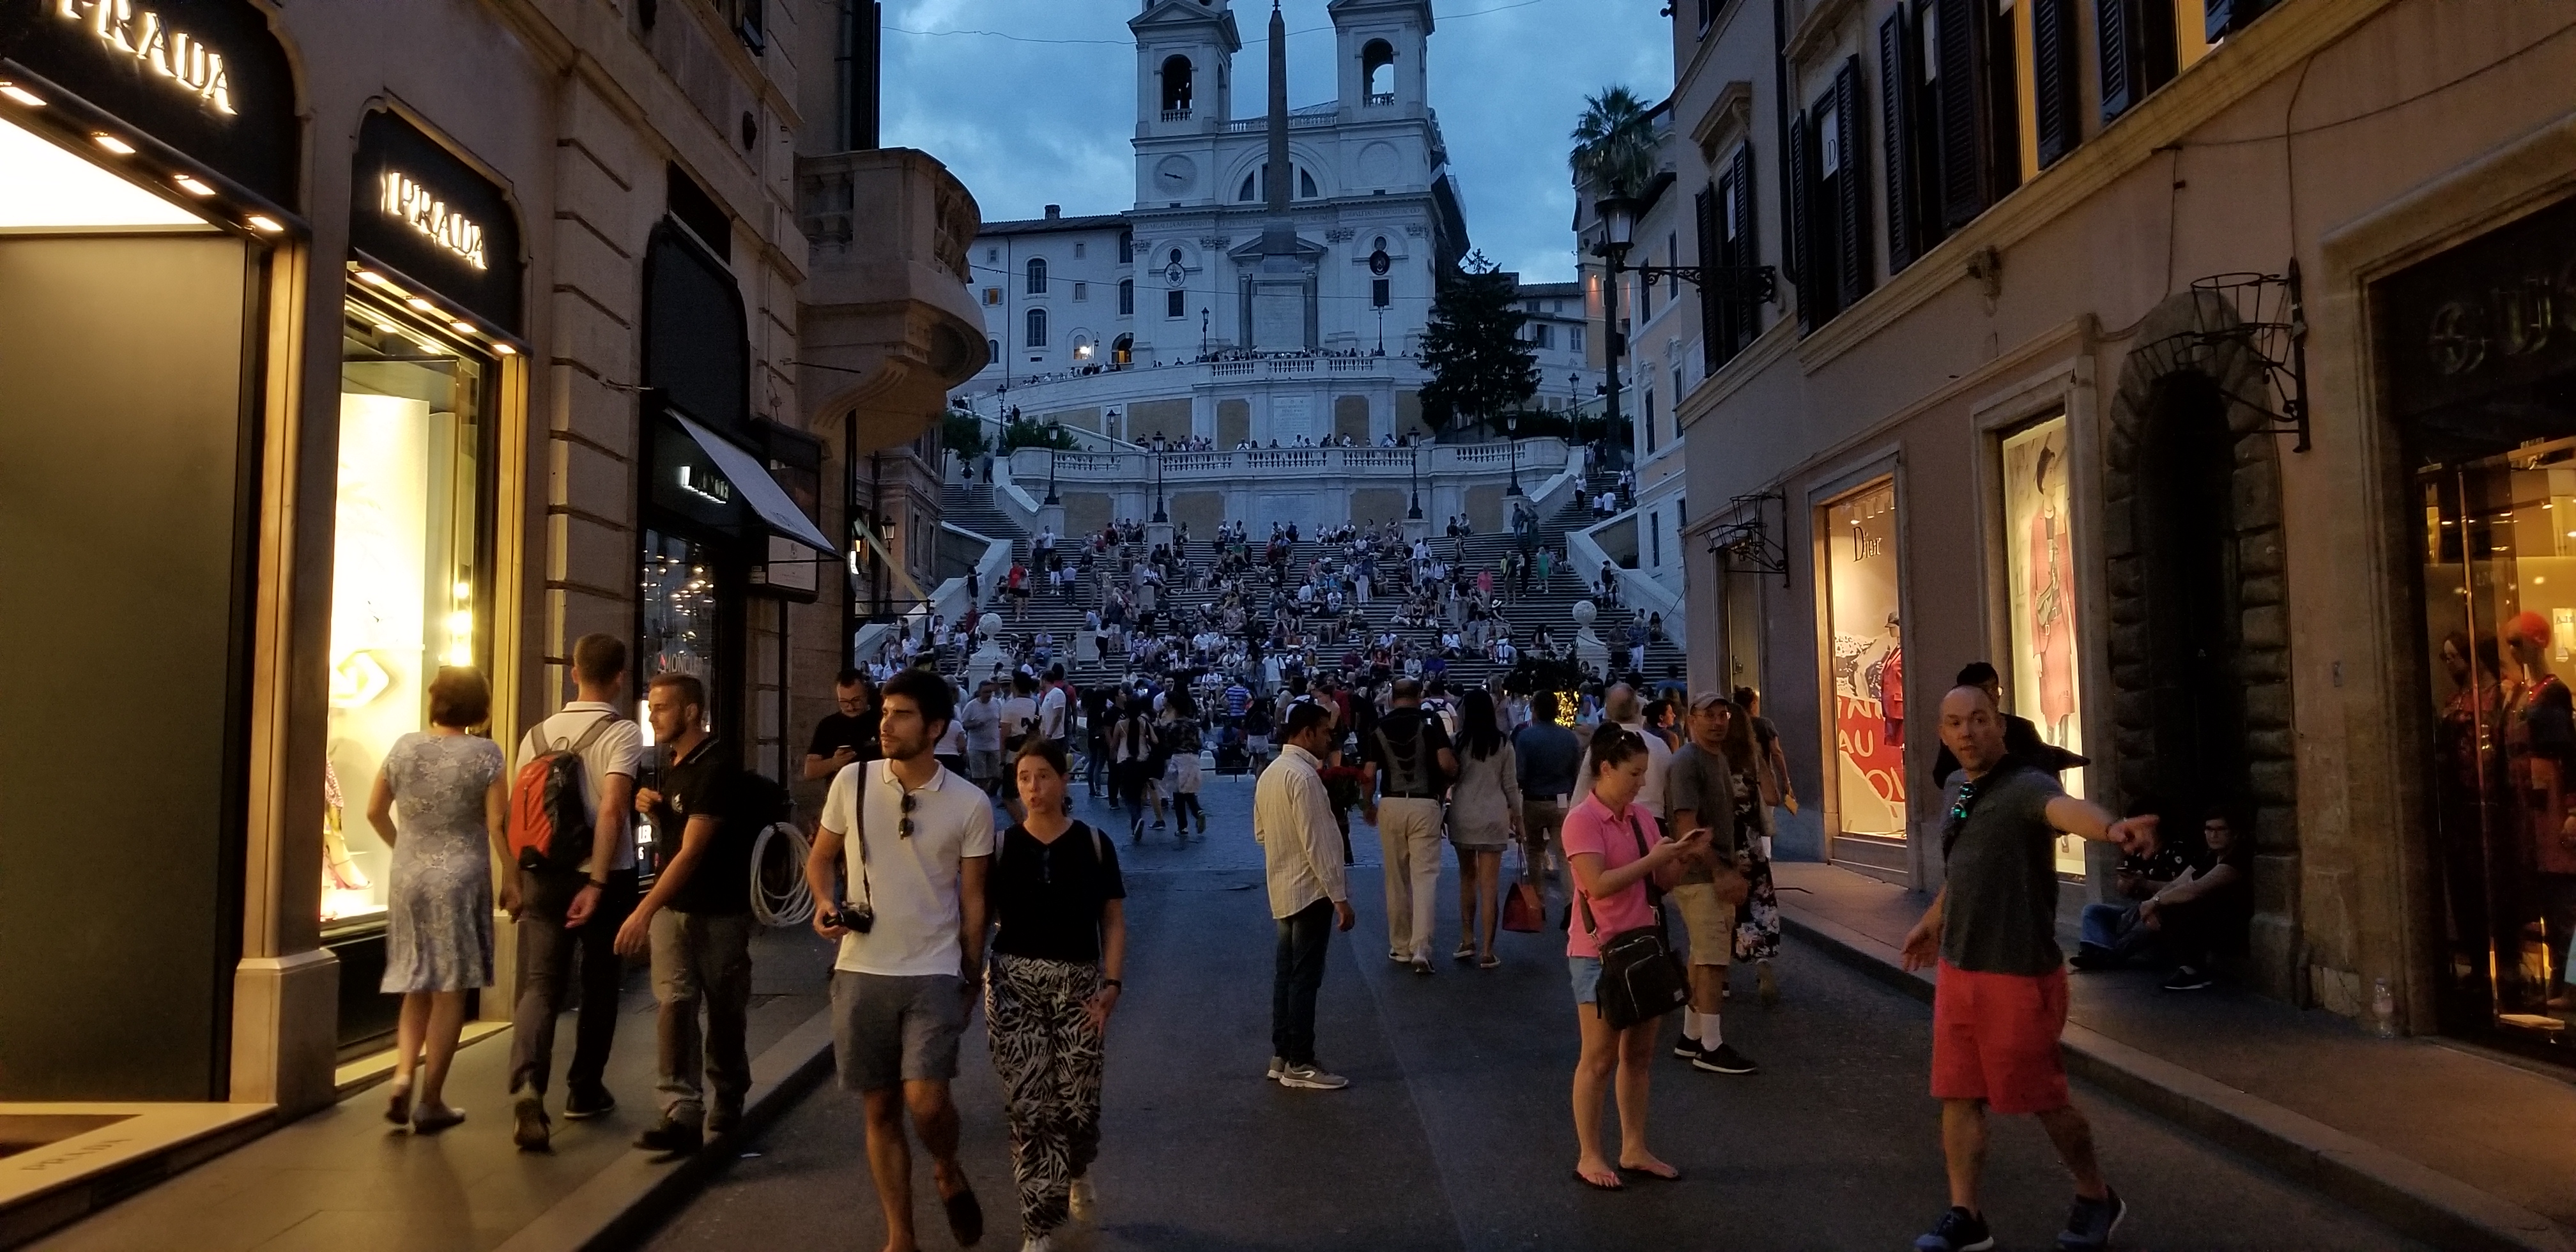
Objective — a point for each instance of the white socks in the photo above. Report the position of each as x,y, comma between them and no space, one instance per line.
1690,1023
1703,1027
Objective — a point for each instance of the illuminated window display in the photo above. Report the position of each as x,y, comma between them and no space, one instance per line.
1868,662
409,585
2039,557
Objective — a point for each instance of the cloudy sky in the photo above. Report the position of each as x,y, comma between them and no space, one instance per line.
1032,102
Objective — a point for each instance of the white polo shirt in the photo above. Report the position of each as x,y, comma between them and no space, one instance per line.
912,883
619,749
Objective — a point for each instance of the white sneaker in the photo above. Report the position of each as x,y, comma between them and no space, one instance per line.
1085,1202
1038,1243
1277,1067
1311,1077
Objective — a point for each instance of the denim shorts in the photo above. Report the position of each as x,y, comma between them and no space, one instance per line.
1586,972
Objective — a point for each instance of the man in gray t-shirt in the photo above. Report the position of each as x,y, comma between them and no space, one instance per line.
1699,791
1999,1003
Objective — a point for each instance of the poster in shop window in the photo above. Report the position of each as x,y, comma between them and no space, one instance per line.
2039,548
1868,662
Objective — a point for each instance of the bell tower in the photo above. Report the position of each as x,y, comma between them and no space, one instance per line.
1380,46
1184,66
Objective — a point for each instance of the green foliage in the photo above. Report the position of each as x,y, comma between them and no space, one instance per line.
1020,433
1479,366
962,433
1614,144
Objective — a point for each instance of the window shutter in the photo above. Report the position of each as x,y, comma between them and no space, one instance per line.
2052,58
1801,163
1712,284
2119,57
1896,138
1963,175
1851,222
1747,311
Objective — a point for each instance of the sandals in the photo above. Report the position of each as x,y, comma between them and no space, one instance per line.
1466,951
431,1121
1489,961
398,1109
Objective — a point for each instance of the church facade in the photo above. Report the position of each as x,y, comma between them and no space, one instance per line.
1232,302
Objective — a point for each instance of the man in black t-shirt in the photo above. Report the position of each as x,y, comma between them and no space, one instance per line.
1407,764
849,736
697,918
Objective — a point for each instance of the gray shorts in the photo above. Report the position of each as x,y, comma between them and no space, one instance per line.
888,1030
983,763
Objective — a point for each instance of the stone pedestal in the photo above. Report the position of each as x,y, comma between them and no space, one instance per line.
1050,517
286,1020
1157,535
1416,528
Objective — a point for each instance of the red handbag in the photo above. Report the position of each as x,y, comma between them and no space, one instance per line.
1523,909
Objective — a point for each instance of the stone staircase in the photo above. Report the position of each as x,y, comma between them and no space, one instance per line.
1549,607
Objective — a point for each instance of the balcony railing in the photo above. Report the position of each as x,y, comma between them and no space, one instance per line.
1538,458
1176,115
1380,99
913,206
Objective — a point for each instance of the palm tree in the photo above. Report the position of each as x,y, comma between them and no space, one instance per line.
1614,143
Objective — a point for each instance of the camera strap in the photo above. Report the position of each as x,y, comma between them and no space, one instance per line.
867,890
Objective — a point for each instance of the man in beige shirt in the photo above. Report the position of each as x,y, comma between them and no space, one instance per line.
1301,845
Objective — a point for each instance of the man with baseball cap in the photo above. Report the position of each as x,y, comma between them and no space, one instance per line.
1700,791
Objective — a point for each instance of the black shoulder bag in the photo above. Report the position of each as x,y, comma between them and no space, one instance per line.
1640,980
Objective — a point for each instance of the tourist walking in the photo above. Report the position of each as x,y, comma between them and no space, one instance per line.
1757,920
1131,750
570,917
1613,850
1699,794
1546,753
1777,791
1179,735
439,802
1061,906
1484,819
912,842
1301,852
1999,1000
1406,764
696,921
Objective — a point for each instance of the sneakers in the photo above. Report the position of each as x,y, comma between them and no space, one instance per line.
671,1139
1310,1077
1277,1067
1422,965
1958,1231
1084,1201
2187,979
2090,1222
532,1134
1724,1059
1686,1049
585,1102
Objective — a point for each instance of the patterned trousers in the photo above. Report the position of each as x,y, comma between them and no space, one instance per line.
1049,1061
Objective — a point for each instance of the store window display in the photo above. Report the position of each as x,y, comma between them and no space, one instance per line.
2039,549
1868,662
409,587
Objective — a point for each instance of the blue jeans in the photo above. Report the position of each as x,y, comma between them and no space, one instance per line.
2114,929
1299,972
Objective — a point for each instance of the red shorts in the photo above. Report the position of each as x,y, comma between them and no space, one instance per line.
1994,1038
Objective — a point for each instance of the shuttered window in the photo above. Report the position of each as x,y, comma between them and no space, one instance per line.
1955,44
1896,77
1852,255
1795,254
1712,287
2052,48
2136,38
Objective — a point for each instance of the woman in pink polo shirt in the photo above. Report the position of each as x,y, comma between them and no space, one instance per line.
1613,848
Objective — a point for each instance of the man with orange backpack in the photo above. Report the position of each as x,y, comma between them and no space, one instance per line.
569,805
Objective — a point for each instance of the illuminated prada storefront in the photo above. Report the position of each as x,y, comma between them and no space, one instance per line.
427,362
150,234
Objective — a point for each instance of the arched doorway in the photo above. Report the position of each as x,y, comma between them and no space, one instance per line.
2199,638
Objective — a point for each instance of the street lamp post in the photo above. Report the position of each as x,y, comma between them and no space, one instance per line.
1413,476
1055,433
1159,515
1511,432
1203,334
1618,219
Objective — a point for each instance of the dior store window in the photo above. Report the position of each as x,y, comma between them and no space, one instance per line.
1867,670
2039,568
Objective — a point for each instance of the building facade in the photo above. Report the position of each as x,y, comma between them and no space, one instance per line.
1150,320
475,330
2197,364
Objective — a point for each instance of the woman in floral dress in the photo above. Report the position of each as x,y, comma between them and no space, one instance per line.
450,788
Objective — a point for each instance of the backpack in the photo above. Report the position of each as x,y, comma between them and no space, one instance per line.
1413,771
550,827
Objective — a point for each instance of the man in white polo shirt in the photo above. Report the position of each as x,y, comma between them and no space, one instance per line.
897,873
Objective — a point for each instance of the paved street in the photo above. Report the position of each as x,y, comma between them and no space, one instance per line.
1455,1133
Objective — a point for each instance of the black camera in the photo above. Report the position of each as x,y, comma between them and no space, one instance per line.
856,918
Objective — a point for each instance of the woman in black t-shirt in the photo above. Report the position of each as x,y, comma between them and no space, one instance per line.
1055,891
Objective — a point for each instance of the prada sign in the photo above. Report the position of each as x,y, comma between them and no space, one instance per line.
422,209
2492,315
203,76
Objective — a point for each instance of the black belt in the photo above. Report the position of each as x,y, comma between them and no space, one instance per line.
1407,796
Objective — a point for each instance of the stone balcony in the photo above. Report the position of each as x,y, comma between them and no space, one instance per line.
887,325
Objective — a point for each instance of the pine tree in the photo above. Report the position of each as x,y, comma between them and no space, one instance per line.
1480,367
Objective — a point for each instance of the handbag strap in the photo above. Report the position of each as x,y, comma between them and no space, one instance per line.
859,831
1583,899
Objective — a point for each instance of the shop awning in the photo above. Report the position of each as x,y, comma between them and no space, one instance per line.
767,499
